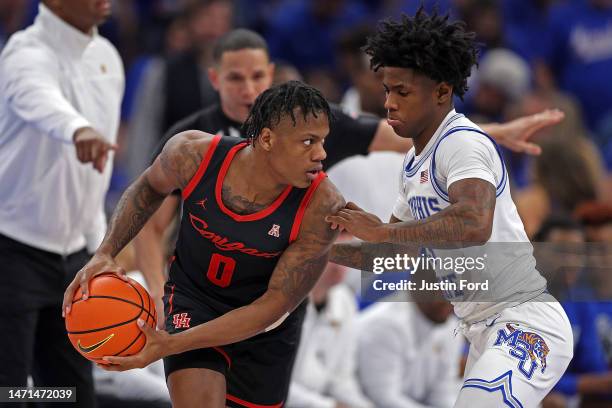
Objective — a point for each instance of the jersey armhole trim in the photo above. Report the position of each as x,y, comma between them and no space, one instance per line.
434,182
299,215
201,169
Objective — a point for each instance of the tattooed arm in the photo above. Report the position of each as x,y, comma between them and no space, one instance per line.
468,220
297,271
173,168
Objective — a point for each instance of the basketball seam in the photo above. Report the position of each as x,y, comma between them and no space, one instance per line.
107,327
129,345
141,306
114,298
139,334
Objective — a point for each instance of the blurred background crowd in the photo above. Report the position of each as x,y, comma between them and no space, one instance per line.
535,54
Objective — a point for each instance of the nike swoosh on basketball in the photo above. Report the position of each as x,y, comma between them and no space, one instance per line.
89,349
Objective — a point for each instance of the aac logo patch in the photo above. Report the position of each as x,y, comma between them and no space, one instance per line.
274,231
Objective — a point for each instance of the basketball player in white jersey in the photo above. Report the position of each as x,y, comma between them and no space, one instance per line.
454,190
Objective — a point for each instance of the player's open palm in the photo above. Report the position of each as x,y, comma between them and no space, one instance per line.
99,263
152,351
357,222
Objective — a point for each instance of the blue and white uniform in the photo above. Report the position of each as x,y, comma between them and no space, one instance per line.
521,340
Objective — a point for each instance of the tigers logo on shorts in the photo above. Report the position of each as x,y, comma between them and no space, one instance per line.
528,347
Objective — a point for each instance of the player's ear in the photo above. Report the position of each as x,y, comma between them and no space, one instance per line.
266,139
213,77
444,93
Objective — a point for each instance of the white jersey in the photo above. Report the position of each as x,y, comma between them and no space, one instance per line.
458,150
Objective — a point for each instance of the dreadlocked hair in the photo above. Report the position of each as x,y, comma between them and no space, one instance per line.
430,44
284,99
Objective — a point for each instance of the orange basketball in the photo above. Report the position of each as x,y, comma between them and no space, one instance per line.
105,324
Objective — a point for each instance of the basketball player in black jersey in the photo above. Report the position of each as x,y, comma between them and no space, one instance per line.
252,243
242,70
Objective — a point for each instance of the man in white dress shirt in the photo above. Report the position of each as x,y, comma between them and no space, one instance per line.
61,86
324,372
407,354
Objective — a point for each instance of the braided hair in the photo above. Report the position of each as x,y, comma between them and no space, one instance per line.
280,100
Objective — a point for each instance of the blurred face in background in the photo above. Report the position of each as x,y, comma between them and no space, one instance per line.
371,95
208,23
436,311
568,252
239,77
602,3
82,14
601,233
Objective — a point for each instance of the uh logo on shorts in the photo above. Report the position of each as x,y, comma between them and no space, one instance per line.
528,347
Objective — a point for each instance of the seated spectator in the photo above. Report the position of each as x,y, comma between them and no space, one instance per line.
597,218
408,355
502,78
588,376
551,191
324,371
579,55
303,33
366,94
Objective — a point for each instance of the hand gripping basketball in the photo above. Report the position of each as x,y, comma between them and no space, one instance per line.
106,323
99,263
154,349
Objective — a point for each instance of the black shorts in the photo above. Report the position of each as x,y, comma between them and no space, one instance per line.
257,370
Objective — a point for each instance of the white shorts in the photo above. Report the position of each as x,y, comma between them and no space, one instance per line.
516,356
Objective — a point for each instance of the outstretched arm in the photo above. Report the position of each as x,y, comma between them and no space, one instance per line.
297,271
172,170
516,133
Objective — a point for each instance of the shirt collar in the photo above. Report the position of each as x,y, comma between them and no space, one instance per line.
66,38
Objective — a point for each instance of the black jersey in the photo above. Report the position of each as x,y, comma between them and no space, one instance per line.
348,136
226,259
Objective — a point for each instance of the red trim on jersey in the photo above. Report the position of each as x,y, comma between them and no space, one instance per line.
299,215
201,169
249,217
250,404
170,301
225,355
